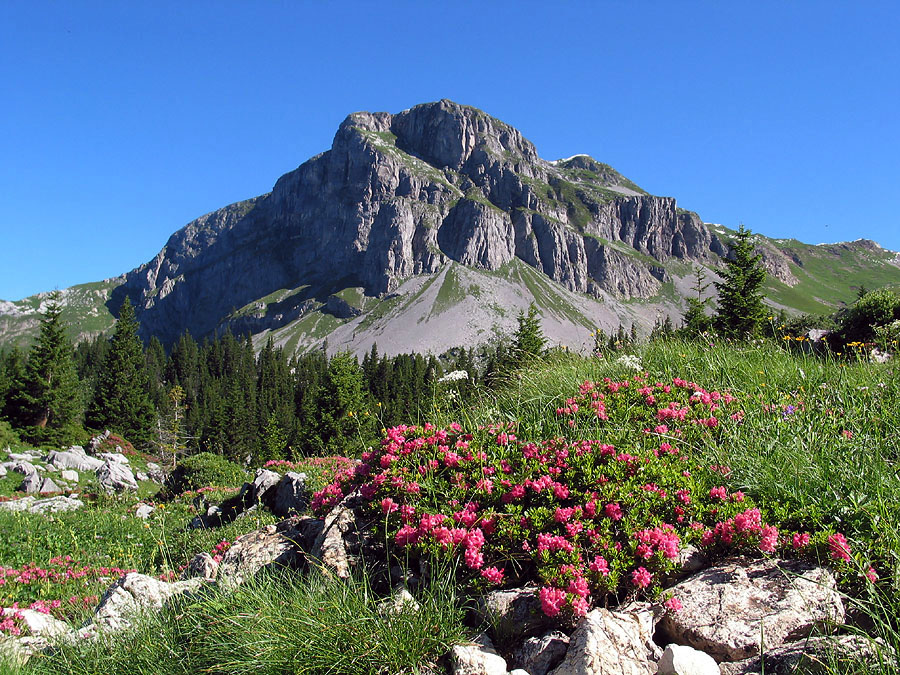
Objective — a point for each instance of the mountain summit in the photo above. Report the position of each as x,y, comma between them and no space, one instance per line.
423,230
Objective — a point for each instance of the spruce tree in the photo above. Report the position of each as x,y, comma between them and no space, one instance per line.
741,310
121,399
529,340
696,320
13,368
48,396
343,422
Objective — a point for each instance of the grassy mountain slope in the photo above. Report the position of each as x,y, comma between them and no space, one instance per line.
84,312
462,305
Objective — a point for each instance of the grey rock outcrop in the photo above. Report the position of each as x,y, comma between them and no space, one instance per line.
116,476
73,458
512,612
282,495
729,608
540,655
401,195
845,653
477,658
49,505
23,467
155,473
291,495
684,660
69,475
132,595
339,538
608,643
32,484
280,546
48,487
201,566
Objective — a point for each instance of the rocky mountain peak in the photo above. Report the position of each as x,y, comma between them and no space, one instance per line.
447,134
400,195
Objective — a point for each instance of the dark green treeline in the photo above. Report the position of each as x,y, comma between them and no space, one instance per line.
226,399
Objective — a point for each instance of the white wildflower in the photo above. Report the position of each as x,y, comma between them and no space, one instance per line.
455,376
630,361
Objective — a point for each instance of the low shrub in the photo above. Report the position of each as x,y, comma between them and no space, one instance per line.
604,508
875,309
202,470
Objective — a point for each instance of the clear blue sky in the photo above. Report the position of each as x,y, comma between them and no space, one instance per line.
122,121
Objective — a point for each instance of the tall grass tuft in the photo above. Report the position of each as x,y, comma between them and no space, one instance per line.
276,624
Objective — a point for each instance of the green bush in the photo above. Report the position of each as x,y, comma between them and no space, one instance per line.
203,470
873,310
7,435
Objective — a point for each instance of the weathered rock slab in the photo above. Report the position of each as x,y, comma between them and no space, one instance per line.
727,610
201,566
540,655
844,654
340,536
291,495
513,612
132,595
50,505
280,545
684,660
73,458
477,658
116,477
69,474
32,483
49,487
608,643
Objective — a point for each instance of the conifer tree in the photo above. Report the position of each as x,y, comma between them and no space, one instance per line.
696,320
741,310
121,399
529,340
155,358
48,396
13,370
342,406
171,437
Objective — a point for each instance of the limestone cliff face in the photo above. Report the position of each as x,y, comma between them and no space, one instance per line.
401,195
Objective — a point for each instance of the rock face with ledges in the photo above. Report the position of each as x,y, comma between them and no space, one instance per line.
402,195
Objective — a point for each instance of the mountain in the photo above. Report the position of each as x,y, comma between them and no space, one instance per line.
435,227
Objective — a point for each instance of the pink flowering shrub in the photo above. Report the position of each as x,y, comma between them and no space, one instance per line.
56,583
583,518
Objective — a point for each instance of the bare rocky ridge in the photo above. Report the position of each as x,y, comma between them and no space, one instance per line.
403,195
349,246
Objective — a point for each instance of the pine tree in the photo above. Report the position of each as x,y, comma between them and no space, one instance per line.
741,310
155,358
529,340
48,396
695,319
121,399
342,407
171,436
13,368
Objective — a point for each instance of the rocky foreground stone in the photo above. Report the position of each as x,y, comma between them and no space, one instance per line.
738,617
